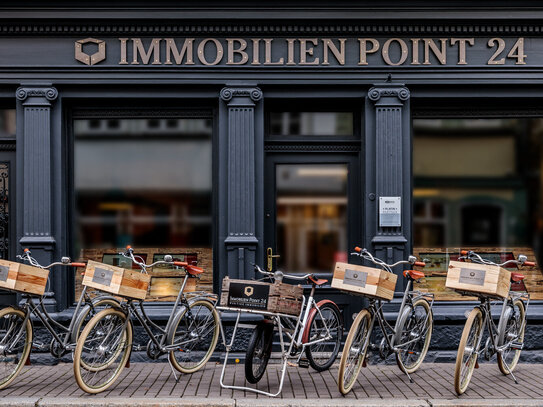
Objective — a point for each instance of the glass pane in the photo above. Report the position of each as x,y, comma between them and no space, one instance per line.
478,185
311,124
311,216
7,123
147,183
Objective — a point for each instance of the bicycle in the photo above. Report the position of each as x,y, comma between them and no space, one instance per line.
16,327
189,337
410,337
506,340
317,331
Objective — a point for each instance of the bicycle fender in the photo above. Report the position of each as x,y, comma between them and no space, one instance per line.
83,311
305,336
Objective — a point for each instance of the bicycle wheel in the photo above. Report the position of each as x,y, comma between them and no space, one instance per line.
15,344
510,330
102,350
467,352
415,331
258,352
323,353
354,352
88,311
194,334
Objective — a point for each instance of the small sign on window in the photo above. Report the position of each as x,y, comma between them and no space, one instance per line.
390,211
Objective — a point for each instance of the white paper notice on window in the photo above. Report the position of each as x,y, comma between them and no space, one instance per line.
390,211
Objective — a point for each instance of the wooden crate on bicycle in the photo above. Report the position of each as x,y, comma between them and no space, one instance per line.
257,295
23,278
368,281
116,280
478,278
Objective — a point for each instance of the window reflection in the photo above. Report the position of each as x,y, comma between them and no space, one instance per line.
311,123
478,184
311,216
145,182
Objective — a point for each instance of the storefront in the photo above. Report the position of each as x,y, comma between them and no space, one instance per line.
231,135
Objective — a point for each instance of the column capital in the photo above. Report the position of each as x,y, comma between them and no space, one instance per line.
389,94
26,93
253,93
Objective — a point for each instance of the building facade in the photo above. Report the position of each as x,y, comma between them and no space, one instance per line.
232,134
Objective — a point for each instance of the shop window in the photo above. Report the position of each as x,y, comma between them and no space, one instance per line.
477,185
7,123
144,183
311,124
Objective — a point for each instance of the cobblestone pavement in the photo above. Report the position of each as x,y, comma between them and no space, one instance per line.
433,384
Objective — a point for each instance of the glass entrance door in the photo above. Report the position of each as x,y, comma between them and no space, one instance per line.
311,221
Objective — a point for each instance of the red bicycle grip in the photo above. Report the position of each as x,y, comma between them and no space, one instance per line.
180,263
529,263
357,249
26,249
464,252
78,265
420,264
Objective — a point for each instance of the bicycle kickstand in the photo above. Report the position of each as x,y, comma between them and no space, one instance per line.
510,372
409,377
173,371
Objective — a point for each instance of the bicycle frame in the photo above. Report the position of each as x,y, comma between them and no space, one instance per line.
488,321
376,311
31,308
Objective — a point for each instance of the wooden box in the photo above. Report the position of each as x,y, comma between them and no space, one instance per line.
23,278
257,295
493,281
116,280
367,281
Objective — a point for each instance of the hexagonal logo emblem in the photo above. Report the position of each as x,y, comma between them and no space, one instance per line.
249,291
87,59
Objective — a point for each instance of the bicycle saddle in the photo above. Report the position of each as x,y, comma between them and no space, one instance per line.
414,274
516,277
317,281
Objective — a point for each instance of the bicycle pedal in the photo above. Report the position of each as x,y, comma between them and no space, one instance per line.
303,363
366,362
39,346
517,346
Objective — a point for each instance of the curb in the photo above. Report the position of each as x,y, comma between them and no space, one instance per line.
91,401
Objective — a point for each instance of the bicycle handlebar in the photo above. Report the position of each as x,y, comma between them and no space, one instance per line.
368,256
129,254
274,274
65,261
471,255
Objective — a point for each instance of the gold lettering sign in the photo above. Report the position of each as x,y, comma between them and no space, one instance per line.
308,52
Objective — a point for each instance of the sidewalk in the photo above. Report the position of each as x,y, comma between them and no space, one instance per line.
152,384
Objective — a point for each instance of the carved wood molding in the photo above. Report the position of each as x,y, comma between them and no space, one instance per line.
267,29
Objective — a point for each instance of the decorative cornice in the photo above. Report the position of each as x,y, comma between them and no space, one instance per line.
49,93
160,28
228,93
402,93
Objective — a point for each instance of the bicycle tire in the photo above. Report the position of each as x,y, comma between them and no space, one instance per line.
316,328
470,337
504,331
349,368
187,359
259,349
406,331
14,362
106,330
